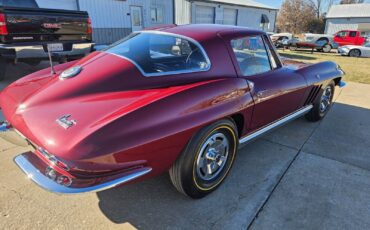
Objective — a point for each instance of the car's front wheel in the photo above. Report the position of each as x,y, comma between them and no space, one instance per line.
355,53
206,160
322,104
326,48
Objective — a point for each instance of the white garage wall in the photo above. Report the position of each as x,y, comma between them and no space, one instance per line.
111,19
61,4
248,17
334,25
251,17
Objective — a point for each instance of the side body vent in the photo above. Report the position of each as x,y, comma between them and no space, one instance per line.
313,94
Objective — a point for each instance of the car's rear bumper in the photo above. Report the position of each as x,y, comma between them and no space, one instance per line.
39,51
36,170
45,182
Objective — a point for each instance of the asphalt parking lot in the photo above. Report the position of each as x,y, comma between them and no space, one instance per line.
303,175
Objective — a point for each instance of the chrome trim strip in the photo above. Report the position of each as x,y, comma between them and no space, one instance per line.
209,64
276,124
37,51
43,181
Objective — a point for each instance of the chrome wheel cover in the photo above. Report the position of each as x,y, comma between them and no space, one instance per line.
326,99
355,53
326,48
212,156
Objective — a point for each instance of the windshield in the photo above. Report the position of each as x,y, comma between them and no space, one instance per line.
19,3
157,53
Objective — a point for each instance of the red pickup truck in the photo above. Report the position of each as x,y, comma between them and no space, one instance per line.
349,37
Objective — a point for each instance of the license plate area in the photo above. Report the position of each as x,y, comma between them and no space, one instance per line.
55,47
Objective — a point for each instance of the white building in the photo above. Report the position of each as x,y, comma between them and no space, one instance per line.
348,17
115,19
231,12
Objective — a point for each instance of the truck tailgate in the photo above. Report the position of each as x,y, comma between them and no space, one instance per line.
45,25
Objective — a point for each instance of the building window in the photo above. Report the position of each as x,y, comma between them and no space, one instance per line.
156,14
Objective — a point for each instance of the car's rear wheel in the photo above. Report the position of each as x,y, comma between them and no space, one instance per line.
355,53
326,48
206,160
322,104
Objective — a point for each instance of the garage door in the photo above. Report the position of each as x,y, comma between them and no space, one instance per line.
204,14
230,16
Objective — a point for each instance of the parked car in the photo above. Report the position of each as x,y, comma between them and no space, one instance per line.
349,37
280,39
320,42
128,113
355,51
25,31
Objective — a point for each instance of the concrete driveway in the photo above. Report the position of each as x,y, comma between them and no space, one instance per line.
303,175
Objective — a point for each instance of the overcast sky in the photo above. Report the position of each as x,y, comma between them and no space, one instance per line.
277,3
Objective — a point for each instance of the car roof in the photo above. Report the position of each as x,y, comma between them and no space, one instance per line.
205,32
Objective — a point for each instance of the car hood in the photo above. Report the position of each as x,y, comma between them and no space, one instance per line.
91,100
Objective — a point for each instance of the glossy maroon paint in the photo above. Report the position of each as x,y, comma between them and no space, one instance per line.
126,121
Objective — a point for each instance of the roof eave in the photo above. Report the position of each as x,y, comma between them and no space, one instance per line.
234,4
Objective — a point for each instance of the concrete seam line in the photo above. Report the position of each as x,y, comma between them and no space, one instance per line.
332,159
283,145
286,170
282,176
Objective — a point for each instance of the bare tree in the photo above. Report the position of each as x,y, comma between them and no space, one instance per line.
295,16
317,5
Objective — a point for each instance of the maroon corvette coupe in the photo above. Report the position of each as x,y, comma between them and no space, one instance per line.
178,99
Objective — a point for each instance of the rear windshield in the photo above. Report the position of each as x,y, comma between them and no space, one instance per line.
19,3
161,54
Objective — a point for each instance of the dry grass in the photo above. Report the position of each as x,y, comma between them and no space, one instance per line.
357,69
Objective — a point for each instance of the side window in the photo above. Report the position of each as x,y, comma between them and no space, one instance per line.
168,47
352,34
274,59
342,34
251,54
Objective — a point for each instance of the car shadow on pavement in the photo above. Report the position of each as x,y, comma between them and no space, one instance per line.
154,204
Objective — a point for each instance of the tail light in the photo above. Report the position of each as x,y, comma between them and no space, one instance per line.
89,26
3,28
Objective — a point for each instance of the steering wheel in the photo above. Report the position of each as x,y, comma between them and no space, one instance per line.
188,58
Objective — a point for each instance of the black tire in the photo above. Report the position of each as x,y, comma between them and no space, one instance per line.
355,53
3,67
317,112
186,173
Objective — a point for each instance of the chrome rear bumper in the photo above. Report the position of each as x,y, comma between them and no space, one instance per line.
38,51
46,183
33,173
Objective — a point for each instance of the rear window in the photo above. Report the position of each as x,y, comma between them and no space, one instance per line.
161,54
19,3
352,34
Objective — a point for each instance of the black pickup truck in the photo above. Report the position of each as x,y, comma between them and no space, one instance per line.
26,30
